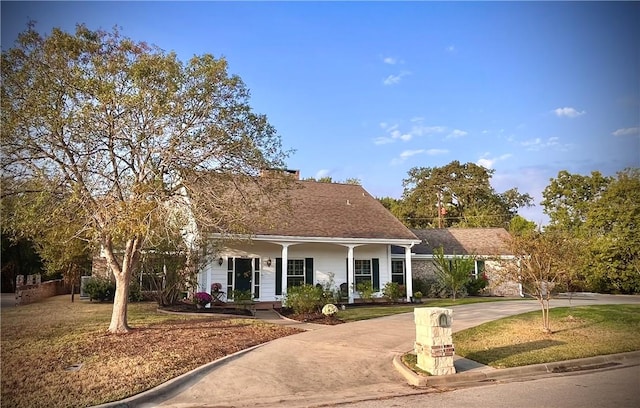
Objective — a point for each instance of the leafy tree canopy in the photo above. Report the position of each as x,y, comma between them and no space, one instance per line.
457,195
100,131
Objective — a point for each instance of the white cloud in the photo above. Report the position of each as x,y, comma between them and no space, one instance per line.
451,48
390,60
539,144
408,153
435,152
394,79
456,133
568,112
382,140
627,131
322,173
488,162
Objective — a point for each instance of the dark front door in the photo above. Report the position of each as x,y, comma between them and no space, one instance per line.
243,274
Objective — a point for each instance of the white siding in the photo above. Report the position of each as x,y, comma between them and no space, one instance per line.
327,258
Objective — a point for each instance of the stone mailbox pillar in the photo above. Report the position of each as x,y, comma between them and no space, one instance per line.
434,344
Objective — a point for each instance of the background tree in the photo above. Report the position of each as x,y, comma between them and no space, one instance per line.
453,272
110,129
568,197
612,241
457,195
603,213
520,225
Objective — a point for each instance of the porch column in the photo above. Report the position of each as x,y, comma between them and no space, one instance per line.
408,272
351,273
285,255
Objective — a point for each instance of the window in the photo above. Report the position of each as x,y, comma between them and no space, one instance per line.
397,272
479,268
362,269
295,272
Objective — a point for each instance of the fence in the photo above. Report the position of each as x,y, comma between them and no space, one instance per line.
33,290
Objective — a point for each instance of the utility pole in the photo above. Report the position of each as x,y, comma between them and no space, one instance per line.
439,209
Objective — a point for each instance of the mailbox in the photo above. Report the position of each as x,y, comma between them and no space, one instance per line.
434,342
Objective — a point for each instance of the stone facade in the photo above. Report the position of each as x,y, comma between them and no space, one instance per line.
426,269
434,341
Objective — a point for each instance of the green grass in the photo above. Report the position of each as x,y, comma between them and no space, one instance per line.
578,332
352,314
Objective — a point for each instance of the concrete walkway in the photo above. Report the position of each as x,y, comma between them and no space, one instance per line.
327,365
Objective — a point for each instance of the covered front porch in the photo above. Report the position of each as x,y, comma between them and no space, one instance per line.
267,266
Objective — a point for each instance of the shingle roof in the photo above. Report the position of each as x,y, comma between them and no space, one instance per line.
462,241
334,210
285,207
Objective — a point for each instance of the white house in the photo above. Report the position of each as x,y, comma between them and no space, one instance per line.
327,229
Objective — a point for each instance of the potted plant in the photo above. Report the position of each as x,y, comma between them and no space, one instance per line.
417,297
216,287
201,299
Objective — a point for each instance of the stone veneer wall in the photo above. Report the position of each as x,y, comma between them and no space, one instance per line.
26,294
426,269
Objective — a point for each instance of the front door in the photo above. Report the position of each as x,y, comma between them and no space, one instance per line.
243,274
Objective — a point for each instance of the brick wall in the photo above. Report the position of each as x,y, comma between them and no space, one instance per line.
26,294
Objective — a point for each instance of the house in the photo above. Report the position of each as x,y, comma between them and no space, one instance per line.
328,231
487,245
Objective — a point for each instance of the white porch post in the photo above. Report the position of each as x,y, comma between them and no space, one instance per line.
351,274
408,272
285,255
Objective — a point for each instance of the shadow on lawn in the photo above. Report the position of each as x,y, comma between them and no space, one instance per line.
498,353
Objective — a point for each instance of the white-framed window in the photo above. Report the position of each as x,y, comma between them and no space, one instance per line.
479,270
397,271
362,270
295,272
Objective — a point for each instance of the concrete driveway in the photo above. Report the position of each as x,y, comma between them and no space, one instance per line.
7,300
334,364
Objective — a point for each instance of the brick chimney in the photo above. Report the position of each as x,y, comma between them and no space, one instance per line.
280,172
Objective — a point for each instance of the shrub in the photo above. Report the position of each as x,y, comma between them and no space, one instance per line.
438,289
99,288
365,290
240,296
475,285
392,291
135,293
304,299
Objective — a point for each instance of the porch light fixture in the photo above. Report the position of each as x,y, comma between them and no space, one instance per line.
268,261
220,261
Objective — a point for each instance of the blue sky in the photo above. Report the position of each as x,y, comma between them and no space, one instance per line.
372,89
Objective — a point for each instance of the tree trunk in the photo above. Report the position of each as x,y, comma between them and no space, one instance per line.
119,323
122,273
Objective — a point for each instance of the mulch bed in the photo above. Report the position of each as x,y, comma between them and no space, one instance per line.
317,317
191,308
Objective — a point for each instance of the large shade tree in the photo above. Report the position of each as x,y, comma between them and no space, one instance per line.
602,214
109,129
457,194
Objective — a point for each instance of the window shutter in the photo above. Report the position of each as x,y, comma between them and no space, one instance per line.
230,264
278,276
308,271
375,265
347,274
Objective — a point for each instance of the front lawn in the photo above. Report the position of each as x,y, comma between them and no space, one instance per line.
57,353
364,312
578,332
